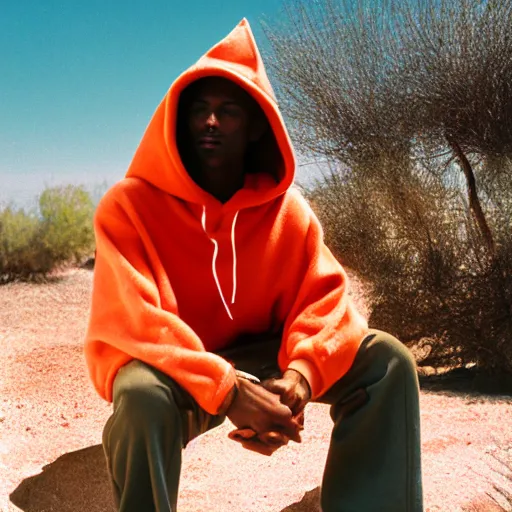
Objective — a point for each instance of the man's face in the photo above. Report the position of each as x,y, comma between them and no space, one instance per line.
220,122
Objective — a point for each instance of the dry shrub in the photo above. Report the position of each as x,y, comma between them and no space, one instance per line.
502,502
412,103
412,237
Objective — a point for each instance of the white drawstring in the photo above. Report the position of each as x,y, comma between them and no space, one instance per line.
233,246
214,261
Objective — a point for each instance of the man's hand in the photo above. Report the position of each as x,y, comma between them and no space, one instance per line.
256,408
292,388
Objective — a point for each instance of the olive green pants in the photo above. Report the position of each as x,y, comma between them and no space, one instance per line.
373,463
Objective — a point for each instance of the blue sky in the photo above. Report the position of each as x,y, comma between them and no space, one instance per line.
79,81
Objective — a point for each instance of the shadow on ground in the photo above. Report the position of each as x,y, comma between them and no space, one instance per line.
78,481
75,481
467,381
310,502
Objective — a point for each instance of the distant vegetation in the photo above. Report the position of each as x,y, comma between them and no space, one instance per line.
59,231
411,104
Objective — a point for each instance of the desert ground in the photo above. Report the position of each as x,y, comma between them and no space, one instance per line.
51,421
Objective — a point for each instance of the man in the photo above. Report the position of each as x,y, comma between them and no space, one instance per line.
209,263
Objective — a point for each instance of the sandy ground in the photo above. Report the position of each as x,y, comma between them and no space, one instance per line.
51,422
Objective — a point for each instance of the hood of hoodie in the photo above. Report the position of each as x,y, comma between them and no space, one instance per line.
157,159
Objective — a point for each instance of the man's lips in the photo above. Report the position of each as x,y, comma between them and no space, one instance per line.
209,142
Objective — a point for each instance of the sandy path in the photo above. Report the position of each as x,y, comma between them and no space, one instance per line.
51,418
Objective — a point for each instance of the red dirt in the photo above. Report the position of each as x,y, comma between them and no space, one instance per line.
51,422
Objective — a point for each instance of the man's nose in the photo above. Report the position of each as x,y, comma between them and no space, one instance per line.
212,120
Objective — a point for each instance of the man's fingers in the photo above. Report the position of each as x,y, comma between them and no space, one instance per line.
298,406
273,385
295,435
291,429
242,434
265,444
274,438
283,389
299,419
288,395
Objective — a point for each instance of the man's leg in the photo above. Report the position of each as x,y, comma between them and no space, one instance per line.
153,420
374,460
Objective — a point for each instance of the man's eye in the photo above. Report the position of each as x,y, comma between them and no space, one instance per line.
231,110
198,108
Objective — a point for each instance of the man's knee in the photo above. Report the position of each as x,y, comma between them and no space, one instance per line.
142,398
393,357
390,348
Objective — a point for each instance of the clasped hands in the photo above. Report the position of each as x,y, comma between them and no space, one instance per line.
269,414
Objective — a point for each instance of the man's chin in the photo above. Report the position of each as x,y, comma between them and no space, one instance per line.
212,162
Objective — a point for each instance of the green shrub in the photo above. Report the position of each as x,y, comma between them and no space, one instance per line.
33,243
66,222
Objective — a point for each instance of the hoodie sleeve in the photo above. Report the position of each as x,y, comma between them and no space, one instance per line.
323,330
134,315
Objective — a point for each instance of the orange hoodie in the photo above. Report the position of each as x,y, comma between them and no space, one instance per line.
179,275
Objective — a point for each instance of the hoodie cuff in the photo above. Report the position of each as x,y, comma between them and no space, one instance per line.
228,401
229,389
310,373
